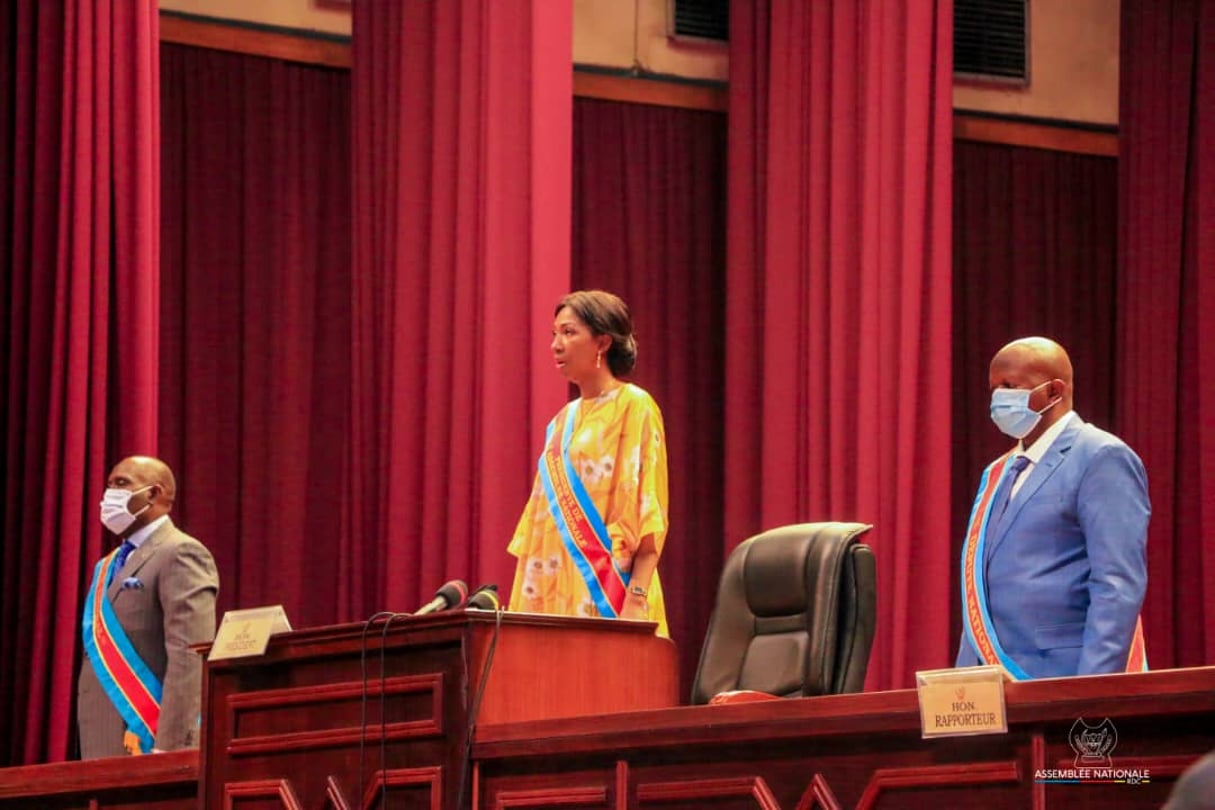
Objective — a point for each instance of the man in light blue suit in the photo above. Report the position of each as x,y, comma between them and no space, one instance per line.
1054,567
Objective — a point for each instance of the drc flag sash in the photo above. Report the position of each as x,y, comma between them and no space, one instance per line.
582,530
977,622
976,619
1136,661
125,678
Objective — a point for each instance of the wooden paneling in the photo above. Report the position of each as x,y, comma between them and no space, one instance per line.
856,751
818,796
753,788
595,787
302,718
552,797
225,36
974,774
256,794
297,714
866,750
1056,137
527,679
663,93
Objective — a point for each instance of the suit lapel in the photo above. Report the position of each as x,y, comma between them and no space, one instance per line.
139,558
1038,475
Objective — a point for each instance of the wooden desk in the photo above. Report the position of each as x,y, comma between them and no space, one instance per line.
286,728
162,781
850,751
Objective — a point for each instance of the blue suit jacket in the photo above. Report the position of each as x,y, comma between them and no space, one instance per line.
1066,565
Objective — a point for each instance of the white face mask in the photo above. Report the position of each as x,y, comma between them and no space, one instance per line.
114,513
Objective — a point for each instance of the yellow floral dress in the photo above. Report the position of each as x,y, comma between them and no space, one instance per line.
619,452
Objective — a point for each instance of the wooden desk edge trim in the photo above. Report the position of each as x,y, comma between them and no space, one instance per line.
99,775
446,626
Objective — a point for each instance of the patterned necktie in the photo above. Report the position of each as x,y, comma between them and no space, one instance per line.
1004,493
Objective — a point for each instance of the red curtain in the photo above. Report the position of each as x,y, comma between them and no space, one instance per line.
1166,193
649,224
79,270
255,321
1034,240
838,294
462,120
1034,253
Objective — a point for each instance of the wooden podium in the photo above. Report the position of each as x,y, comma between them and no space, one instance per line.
291,728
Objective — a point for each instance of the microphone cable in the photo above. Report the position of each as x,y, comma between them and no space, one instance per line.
367,625
384,705
475,708
388,616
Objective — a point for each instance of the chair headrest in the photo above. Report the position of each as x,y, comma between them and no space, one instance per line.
781,567
774,578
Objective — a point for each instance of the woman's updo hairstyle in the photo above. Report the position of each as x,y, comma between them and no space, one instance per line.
606,314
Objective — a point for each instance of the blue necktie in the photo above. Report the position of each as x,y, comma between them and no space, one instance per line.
1004,493
124,551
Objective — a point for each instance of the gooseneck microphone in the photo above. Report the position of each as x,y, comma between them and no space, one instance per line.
451,595
485,598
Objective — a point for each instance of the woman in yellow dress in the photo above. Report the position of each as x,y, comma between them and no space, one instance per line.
591,533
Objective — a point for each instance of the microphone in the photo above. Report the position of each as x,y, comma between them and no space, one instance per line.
452,594
485,598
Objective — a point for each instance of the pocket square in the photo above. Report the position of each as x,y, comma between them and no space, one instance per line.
132,584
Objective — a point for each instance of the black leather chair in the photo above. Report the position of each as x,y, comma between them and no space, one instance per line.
795,614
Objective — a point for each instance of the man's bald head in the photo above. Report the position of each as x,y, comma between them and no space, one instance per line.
1041,366
145,471
1037,355
152,483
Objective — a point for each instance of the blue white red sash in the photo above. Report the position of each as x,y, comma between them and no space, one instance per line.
1136,661
976,620
579,523
126,679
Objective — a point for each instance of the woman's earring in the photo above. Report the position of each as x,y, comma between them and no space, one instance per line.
599,360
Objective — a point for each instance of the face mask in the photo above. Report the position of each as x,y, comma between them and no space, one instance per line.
1011,412
114,513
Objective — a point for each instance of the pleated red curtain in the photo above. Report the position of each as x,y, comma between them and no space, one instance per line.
78,267
1166,379
255,322
462,120
838,294
649,224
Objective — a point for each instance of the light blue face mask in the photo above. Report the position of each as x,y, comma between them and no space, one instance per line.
1011,412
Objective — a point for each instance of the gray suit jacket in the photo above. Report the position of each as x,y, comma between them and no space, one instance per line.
174,608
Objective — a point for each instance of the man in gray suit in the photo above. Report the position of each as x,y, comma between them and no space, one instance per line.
140,685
